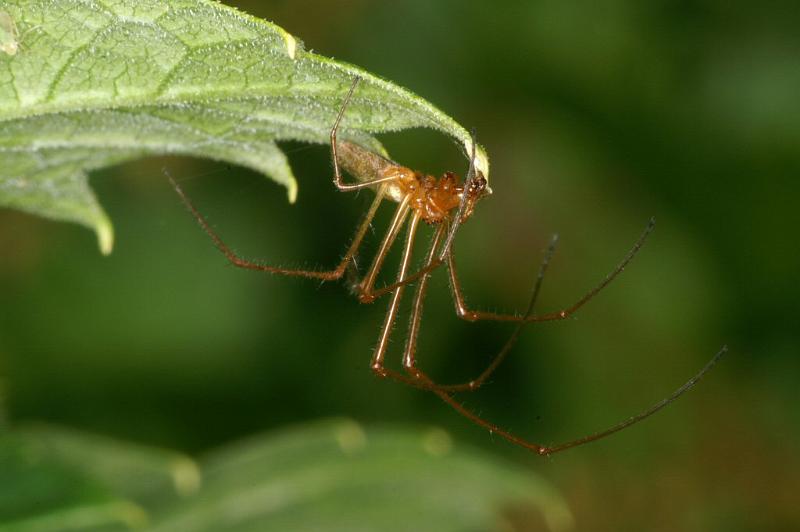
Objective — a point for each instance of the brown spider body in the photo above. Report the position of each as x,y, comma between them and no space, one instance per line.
432,199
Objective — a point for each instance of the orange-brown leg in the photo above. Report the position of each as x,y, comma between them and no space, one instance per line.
419,379
414,377
409,354
364,288
521,321
473,315
378,358
379,354
448,398
526,318
503,353
338,180
551,449
240,262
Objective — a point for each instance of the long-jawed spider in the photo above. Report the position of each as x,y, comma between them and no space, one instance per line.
444,204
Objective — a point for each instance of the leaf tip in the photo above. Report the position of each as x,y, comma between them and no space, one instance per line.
105,236
481,158
291,191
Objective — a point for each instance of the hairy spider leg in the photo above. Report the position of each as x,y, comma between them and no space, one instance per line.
239,262
421,380
526,318
367,282
364,289
415,376
552,449
338,180
378,356
468,314
409,359
409,353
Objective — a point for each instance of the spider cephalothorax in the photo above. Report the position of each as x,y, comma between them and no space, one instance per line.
433,199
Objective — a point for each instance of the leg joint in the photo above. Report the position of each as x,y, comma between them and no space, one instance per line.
466,314
378,369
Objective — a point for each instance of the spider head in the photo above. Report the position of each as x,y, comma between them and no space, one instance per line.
475,189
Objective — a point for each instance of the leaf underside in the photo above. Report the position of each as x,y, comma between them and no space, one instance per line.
97,83
327,475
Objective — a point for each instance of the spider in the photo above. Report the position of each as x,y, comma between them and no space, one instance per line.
444,204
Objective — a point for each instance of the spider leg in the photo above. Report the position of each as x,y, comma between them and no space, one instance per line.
509,344
371,294
409,354
468,314
240,262
414,376
552,449
364,288
338,180
419,379
377,365
378,356
368,281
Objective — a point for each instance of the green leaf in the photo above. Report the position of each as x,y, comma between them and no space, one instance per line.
329,475
335,475
96,83
55,479
114,516
131,471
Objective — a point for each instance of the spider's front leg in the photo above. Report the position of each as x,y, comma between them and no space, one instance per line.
378,358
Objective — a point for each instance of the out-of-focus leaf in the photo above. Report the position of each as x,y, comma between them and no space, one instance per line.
98,83
58,479
129,470
337,476
113,516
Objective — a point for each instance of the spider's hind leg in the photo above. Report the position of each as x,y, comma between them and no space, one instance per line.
240,262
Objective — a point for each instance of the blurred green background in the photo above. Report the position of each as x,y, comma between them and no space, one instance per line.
596,116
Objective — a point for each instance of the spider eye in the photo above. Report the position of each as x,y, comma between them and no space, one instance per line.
478,184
